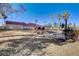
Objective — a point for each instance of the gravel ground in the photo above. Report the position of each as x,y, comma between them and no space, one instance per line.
23,46
31,46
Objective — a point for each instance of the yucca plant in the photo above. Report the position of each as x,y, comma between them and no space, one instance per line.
59,18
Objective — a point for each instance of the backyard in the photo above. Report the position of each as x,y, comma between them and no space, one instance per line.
25,43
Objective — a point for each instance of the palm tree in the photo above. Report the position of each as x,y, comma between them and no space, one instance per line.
66,16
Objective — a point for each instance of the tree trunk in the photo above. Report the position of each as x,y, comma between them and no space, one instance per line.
66,29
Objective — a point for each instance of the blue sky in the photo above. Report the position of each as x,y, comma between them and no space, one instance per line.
44,11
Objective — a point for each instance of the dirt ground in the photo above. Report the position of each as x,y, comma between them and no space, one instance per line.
25,43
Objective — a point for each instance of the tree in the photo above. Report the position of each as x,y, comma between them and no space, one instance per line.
59,18
66,16
74,25
55,24
52,21
48,26
7,8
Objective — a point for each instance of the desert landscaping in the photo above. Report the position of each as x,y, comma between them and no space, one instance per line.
26,43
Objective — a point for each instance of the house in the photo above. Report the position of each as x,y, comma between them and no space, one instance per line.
15,25
20,25
32,25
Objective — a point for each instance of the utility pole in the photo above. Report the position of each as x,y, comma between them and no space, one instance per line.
36,25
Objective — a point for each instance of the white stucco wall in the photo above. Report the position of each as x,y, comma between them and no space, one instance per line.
10,26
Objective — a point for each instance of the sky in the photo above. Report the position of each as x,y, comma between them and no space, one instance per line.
45,13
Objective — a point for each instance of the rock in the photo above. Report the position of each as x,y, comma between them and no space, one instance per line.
70,40
24,52
37,52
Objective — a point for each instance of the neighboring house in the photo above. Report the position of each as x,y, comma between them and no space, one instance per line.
20,25
32,25
76,27
14,25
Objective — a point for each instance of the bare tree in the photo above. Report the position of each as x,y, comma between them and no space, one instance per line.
6,8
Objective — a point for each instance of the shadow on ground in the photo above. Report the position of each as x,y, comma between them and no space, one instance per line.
24,46
16,35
